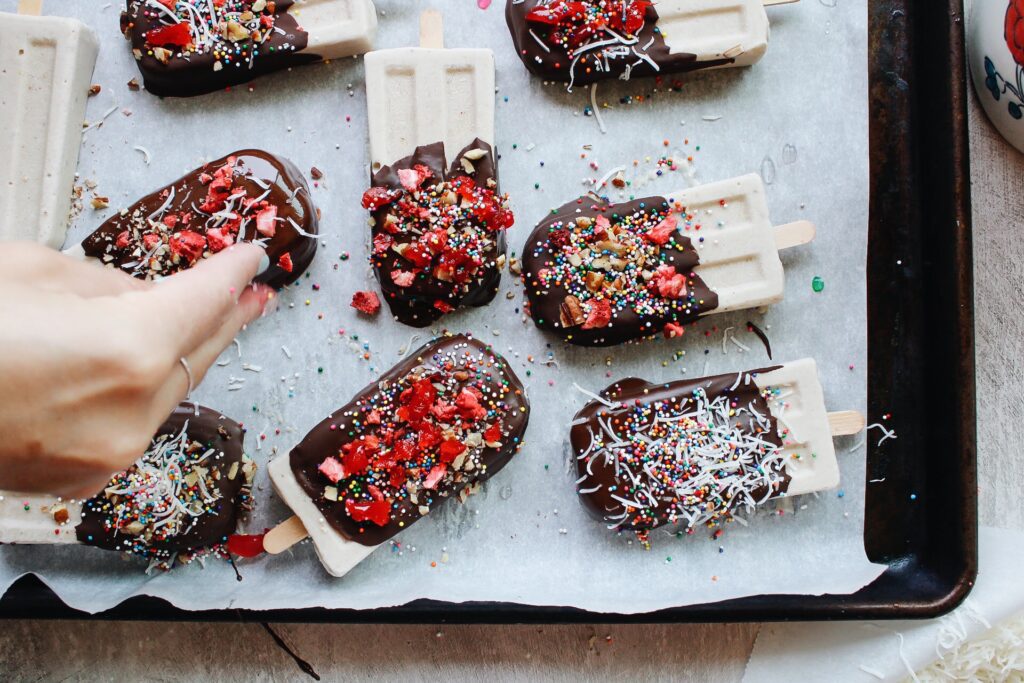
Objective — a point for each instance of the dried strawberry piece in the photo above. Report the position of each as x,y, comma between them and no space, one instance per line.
669,283
435,240
332,469
632,20
468,402
376,197
170,220
416,401
493,433
673,330
220,188
558,238
418,254
412,178
601,224
404,450
176,34
245,545
663,231
123,238
377,511
266,224
599,315
368,303
402,278
556,12
219,239
186,245
374,492
381,243
443,306
397,476
150,241
435,475
444,411
451,449
373,418
428,436
285,262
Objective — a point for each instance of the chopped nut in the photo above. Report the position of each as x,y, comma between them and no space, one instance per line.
233,472
515,267
424,510
571,312
162,55
594,281
259,5
235,32
475,154
461,375
133,529
95,89
500,262
60,513
98,202
331,492
584,222
316,173
467,165
619,180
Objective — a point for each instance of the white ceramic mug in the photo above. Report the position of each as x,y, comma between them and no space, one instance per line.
995,45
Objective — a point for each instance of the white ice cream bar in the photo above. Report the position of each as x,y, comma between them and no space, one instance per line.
46,66
739,257
337,28
31,519
715,29
422,95
798,405
338,554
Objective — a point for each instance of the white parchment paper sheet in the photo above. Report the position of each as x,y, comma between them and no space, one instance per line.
799,117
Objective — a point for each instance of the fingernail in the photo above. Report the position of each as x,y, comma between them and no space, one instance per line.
264,264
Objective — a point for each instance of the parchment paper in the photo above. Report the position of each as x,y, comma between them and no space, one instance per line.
799,117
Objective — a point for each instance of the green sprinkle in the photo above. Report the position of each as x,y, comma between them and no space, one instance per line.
817,283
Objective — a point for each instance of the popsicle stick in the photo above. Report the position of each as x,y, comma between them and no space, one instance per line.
769,3
794,234
284,536
845,422
431,29
33,7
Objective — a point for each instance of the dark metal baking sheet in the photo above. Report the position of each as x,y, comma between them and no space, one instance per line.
921,518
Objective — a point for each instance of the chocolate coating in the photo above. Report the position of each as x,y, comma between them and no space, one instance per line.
255,171
631,319
196,72
212,430
555,64
638,403
414,305
456,363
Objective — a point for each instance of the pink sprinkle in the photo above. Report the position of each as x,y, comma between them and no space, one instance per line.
483,4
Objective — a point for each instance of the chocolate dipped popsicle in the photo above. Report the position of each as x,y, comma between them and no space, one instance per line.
599,273
438,233
696,452
184,496
580,42
438,217
435,426
192,47
249,195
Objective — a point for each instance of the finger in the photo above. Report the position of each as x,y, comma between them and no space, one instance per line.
255,301
48,270
191,306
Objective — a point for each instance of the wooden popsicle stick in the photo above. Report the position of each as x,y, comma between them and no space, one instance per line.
769,3
845,422
794,234
284,536
32,7
431,29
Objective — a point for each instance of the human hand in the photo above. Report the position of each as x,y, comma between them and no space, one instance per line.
90,358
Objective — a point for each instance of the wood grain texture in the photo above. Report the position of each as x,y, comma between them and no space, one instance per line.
49,651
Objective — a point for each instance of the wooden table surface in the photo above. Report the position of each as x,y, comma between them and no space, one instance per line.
52,651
